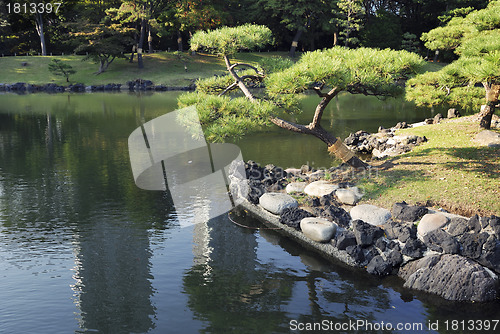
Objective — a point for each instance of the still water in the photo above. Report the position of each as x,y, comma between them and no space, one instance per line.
83,250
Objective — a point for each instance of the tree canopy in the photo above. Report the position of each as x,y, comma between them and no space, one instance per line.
475,38
326,72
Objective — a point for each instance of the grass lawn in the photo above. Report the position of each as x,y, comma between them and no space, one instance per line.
449,171
161,68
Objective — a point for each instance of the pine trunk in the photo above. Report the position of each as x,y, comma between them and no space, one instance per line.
486,114
295,43
141,44
39,30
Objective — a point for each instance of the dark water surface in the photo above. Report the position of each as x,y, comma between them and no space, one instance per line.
83,250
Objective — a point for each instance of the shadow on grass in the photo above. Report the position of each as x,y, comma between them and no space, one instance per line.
482,160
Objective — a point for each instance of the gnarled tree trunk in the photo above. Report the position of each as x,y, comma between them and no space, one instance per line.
486,114
41,34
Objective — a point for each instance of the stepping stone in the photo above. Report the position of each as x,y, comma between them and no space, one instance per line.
431,222
277,202
370,214
348,196
320,188
488,138
318,229
295,187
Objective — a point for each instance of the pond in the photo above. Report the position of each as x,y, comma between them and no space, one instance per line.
82,249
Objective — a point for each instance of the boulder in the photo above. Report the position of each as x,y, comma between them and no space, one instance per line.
336,214
458,226
345,239
277,202
437,118
413,248
295,187
491,254
488,138
378,266
293,216
400,231
320,188
395,258
370,214
356,252
440,241
366,234
452,277
430,222
407,213
474,224
293,171
472,244
348,196
318,229
452,113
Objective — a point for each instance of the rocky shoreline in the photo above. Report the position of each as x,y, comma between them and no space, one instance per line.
455,257
452,256
138,85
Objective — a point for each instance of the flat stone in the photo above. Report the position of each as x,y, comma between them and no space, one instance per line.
320,188
452,277
295,187
277,202
294,171
488,138
431,222
370,214
348,196
318,229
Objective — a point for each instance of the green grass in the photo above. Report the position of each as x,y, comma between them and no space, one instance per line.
450,171
161,68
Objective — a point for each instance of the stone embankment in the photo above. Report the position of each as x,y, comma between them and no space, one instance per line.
452,256
135,85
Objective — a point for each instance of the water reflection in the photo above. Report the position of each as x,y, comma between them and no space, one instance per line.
237,283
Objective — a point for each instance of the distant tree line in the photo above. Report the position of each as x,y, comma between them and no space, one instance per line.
138,26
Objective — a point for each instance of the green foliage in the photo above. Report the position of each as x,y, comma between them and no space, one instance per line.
222,117
57,67
350,20
476,39
229,40
275,64
410,43
217,84
358,71
382,31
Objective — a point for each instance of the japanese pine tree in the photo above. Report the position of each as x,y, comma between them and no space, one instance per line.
476,39
327,73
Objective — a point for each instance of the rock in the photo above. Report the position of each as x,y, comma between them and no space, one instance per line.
491,254
413,248
356,252
370,214
430,222
494,223
458,226
293,216
407,213
370,253
318,229
395,258
452,113
474,224
440,241
437,118
378,266
348,196
305,169
429,121
256,190
293,171
365,233
312,202
320,188
345,239
336,214
488,138
381,244
277,202
472,244
295,187
452,277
